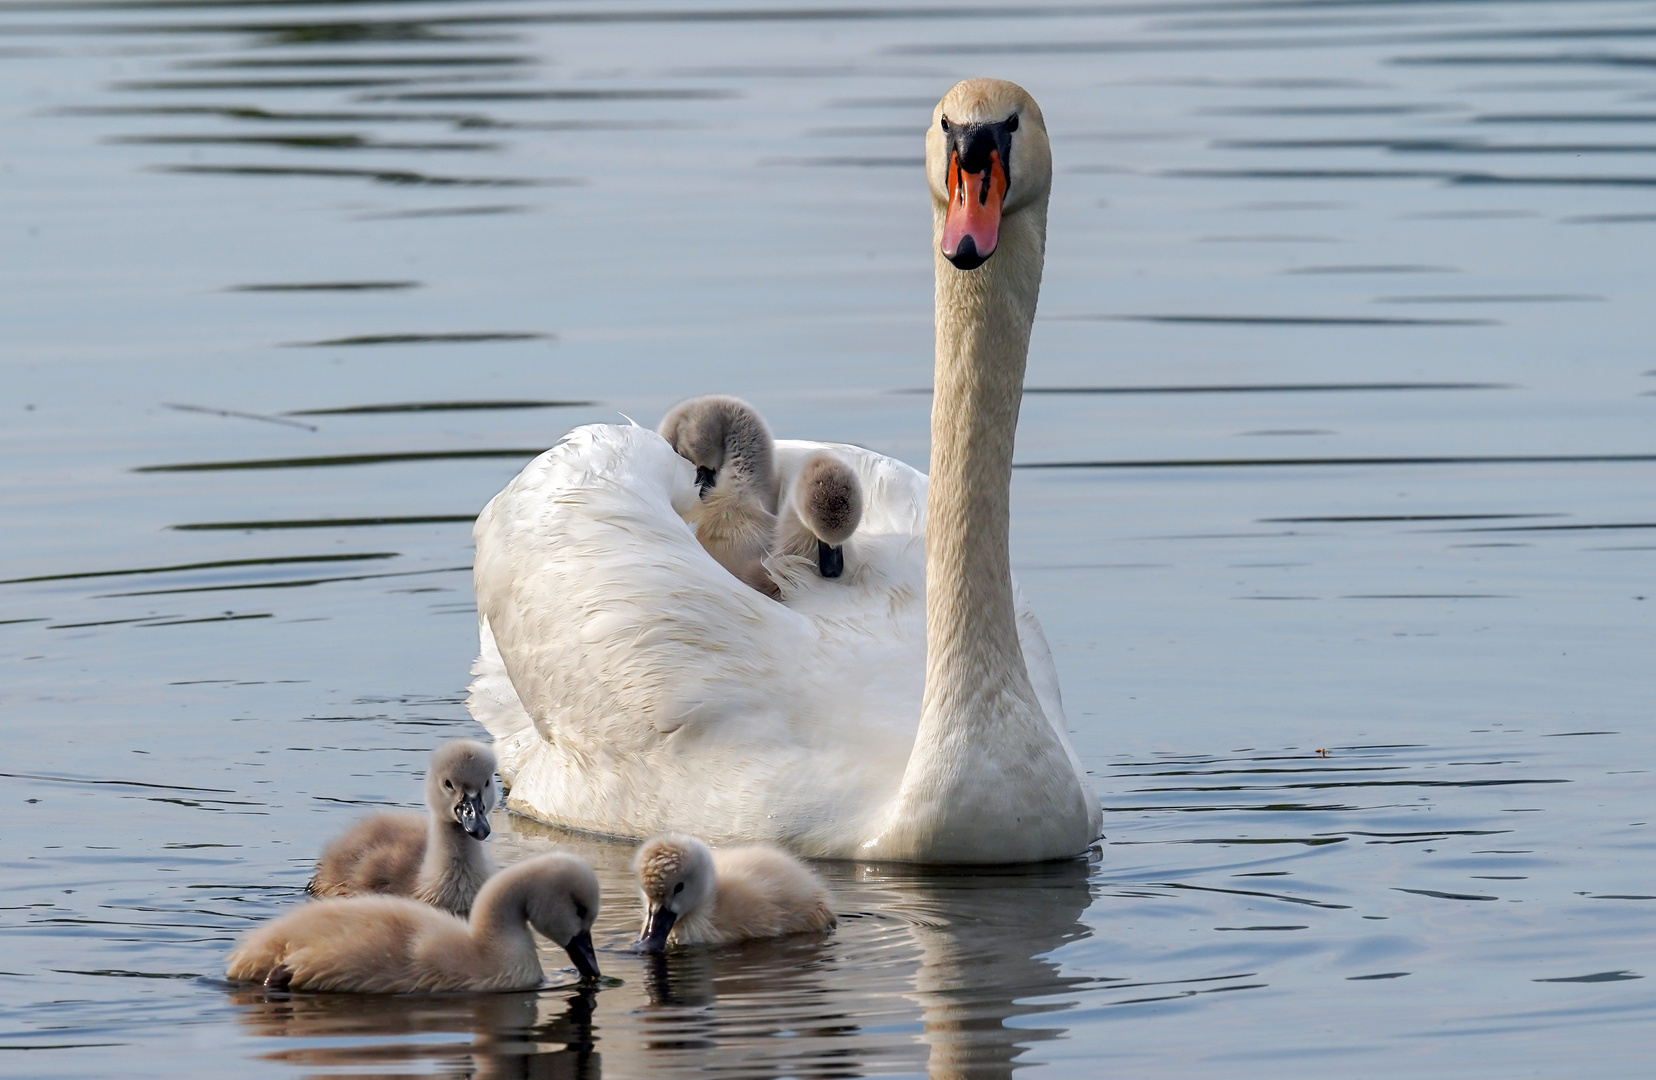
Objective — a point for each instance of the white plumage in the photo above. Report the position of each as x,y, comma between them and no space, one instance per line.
672,696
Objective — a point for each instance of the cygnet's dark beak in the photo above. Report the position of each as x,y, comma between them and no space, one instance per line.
705,479
472,817
830,560
581,952
656,928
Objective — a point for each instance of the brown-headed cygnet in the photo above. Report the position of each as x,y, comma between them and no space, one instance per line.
391,945
731,448
439,857
821,510
694,895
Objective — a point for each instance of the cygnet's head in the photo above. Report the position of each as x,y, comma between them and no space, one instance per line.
461,785
728,443
987,157
828,498
562,905
675,876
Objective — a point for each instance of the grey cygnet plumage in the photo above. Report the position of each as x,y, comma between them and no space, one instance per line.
822,508
731,448
694,895
391,945
439,857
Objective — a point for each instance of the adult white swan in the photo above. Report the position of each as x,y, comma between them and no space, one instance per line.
908,710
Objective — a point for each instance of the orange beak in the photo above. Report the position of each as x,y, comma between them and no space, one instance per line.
971,226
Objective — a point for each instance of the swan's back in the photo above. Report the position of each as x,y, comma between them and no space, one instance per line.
379,854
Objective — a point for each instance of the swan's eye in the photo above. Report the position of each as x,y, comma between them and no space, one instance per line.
678,888
1012,122
945,123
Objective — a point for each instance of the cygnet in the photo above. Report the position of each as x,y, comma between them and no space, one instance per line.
437,857
731,448
392,945
694,895
822,508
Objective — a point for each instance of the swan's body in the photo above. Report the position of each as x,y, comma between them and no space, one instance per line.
438,858
734,514
820,508
391,945
907,711
694,895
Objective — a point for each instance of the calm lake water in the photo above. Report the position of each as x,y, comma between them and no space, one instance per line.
1338,502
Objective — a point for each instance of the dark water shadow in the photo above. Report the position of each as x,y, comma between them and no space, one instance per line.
438,406
334,461
543,1034
321,523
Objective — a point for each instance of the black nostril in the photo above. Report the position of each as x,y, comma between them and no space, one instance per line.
966,256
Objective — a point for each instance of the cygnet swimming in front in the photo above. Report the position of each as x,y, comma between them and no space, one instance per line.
694,895
731,448
822,508
392,945
439,857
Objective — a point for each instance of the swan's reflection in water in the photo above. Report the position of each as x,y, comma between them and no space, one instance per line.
489,1036
926,974
937,972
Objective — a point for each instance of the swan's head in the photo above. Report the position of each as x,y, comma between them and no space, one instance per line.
461,785
828,498
987,158
675,876
561,902
728,443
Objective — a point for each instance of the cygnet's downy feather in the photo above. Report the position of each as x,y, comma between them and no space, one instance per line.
438,858
694,895
731,448
391,945
821,507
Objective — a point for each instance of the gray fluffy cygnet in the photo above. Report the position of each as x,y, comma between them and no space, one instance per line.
392,945
694,895
438,857
822,508
731,448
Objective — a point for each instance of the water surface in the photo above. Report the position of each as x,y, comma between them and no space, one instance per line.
1335,498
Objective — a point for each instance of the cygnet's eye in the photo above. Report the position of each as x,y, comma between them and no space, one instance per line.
580,911
944,123
1012,122
448,786
678,888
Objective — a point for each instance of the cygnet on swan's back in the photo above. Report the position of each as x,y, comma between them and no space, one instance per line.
390,945
734,455
822,508
694,895
439,857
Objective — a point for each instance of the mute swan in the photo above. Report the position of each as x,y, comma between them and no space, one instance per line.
909,713
437,858
820,510
390,945
735,514
696,896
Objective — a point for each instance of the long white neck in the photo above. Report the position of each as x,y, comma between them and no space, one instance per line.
987,780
